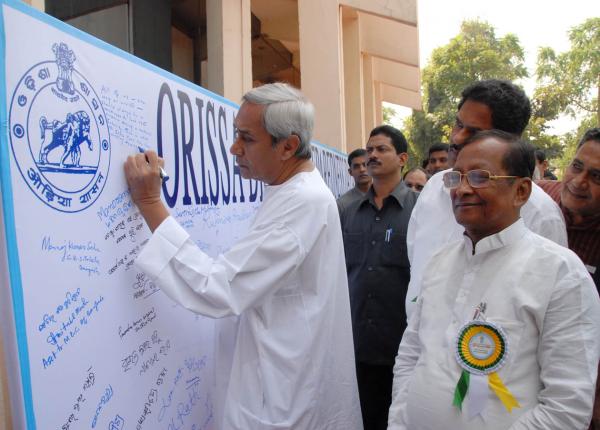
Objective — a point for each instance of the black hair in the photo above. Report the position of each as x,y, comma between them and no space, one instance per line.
509,104
424,163
590,134
437,147
427,175
519,159
395,135
540,155
356,153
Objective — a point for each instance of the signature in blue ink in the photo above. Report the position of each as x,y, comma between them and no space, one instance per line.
108,393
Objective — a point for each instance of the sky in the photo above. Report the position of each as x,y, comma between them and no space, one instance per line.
535,22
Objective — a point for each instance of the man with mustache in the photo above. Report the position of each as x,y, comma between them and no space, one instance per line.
484,105
293,360
374,230
578,195
506,330
357,162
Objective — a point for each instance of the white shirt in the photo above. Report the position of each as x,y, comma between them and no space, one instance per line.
432,225
293,363
542,296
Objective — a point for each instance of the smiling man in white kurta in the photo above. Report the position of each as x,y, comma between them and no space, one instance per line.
293,364
506,331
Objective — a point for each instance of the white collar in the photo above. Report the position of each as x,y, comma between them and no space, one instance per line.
503,238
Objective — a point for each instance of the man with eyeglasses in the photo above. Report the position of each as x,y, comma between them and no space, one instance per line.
506,330
484,105
578,195
416,178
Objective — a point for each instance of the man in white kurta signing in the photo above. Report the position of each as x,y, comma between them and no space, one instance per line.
293,363
484,105
506,330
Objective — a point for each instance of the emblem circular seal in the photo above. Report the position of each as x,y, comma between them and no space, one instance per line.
59,134
481,347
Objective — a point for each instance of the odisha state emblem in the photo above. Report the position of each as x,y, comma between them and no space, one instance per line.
58,133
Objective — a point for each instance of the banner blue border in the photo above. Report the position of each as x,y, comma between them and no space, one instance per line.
12,249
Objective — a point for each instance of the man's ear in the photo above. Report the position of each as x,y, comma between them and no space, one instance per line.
523,191
403,156
545,166
289,147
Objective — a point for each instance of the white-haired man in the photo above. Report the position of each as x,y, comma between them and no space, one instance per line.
293,363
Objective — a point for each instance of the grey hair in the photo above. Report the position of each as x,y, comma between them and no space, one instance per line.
287,112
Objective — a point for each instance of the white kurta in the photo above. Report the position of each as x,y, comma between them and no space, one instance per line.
542,296
432,225
293,363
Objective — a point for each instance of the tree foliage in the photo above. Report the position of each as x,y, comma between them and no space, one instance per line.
388,114
569,83
475,53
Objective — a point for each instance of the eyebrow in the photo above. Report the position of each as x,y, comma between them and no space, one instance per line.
242,131
470,127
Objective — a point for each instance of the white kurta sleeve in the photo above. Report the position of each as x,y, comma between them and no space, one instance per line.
229,284
408,355
543,216
568,356
554,228
414,227
411,231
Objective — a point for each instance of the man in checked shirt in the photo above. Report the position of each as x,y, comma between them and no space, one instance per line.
578,196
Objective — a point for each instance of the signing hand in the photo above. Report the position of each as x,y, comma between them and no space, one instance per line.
142,172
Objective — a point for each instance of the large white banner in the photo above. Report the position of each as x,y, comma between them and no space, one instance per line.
92,343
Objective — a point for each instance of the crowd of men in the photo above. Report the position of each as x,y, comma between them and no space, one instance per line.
457,295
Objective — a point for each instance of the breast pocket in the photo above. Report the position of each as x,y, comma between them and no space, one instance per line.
393,250
354,248
513,331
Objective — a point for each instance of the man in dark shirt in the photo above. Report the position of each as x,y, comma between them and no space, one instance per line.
578,195
357,168
374,229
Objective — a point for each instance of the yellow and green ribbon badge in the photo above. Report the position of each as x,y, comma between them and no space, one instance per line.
481,349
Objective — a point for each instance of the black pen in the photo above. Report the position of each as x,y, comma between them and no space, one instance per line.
163,173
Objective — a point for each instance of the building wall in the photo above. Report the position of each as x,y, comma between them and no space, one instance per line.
347,56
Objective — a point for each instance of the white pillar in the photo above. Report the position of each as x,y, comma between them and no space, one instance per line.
369,94
321,67
229,66
353,82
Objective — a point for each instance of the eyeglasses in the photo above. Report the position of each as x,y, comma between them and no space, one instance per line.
475,178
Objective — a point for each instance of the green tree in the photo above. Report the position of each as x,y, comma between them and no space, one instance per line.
475,53
569,84
388,113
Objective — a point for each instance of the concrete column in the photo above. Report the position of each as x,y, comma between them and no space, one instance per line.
38,4
378,104
321,67
229,70
353,81
369,95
